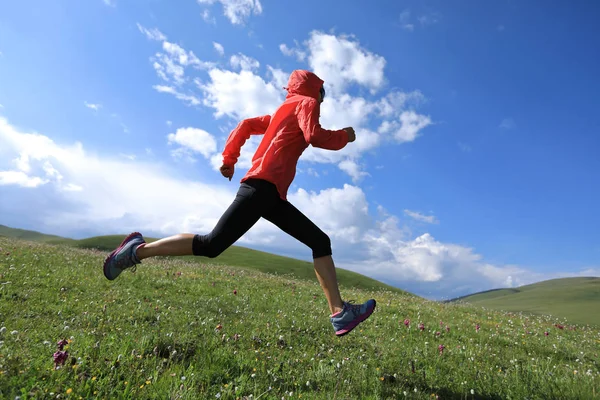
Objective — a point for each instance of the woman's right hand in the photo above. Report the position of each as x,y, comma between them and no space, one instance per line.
227,171
351,135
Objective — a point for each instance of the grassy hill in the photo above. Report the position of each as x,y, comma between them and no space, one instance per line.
234,256
30,235
176,329
577,299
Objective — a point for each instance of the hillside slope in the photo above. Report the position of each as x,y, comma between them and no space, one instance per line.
234,256
178,329
576,299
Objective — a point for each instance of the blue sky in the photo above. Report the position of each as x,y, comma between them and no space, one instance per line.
476,124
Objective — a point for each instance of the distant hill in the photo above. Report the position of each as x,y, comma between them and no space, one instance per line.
234,256
576,299
30,235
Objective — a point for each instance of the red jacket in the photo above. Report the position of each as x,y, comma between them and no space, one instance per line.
293,126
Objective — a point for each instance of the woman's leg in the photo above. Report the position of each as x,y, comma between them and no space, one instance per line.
177,245
242,214
293,222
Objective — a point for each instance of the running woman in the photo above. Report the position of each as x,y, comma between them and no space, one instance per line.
263,193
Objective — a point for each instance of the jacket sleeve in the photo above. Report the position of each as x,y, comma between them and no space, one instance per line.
241,133
314,134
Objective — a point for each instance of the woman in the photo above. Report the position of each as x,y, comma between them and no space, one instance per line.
263,193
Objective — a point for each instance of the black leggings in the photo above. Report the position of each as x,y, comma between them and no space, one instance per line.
258,198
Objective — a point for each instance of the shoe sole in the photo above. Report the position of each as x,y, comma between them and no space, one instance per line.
115,251
355,323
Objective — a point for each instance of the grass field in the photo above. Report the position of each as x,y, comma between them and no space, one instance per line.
578,299
177,329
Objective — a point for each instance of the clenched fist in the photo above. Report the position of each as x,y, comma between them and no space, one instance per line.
227,171
351,134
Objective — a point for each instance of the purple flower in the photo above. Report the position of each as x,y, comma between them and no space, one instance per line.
441,348
61,344
421,326
447,329
407,322
59,358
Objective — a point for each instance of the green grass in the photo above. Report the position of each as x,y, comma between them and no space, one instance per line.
577,299
153,334
234,256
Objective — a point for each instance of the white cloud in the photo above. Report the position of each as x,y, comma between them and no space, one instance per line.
170,65
153,34
278,77
189,99
353,169
20,178
219,48
1,106
105,192
240,94
396,101
507,123
340,60
344,110
295,52
429,19
411,124
405,21
244,62
237,11
208,18
341,212
109,3
407,128
93,106
131,157
194,139
425,19
430,219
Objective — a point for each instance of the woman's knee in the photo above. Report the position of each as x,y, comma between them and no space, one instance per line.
321,246
206,246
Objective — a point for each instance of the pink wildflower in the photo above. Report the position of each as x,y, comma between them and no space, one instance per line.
441,348
447,329
59,358
407,322
61,344
421,326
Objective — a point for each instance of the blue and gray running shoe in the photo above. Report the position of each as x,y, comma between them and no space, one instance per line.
124,256
351,315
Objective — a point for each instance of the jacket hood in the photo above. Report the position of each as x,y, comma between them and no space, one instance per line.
304,83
